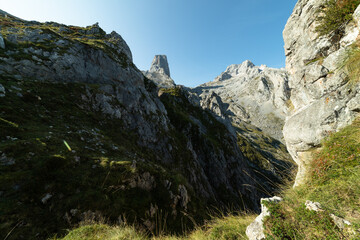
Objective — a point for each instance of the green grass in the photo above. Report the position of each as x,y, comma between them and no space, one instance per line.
175,91
334,16
221,228
351,63
101,231
319,61
334,181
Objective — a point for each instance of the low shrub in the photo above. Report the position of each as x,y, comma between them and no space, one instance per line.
335,15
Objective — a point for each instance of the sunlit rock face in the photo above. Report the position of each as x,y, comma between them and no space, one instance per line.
159,72
322,99
160,65
257,95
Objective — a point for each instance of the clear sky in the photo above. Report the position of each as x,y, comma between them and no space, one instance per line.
200,37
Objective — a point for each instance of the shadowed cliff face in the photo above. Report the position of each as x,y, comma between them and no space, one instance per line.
133,154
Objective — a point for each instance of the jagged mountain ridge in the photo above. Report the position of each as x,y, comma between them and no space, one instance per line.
129,153
303,103
255,95
268,156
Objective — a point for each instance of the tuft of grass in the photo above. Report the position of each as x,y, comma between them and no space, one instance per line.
334,181
352,63
102,231
230,227
319,60
175,91
335,15
9,122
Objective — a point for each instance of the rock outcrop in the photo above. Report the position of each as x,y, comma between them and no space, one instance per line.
159,72
255,231
160,64
316,206
50,56
322,98
2,91
255,95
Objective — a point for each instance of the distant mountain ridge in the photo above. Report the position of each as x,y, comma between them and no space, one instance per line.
255,95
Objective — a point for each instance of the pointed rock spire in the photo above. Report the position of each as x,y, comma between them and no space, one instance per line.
160,64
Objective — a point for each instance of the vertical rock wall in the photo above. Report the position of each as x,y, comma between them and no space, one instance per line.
323,100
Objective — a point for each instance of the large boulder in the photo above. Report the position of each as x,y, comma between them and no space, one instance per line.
255,231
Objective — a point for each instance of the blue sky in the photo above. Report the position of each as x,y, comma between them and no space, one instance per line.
200,37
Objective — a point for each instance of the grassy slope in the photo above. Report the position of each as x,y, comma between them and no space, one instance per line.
221,228
334,182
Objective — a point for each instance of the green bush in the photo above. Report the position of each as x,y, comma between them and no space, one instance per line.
334,15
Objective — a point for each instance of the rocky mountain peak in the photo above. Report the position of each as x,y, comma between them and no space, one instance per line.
159,72
160,64
254,94
238,70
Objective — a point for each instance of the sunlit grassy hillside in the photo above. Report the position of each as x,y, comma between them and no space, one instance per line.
334,182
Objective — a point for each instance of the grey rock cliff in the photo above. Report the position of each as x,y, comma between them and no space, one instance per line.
322,99
256,124
160,64
255,95
66,60
159,72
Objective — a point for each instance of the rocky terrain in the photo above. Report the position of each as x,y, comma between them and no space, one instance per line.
321,130
85,136
324,95
252,94
299,105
